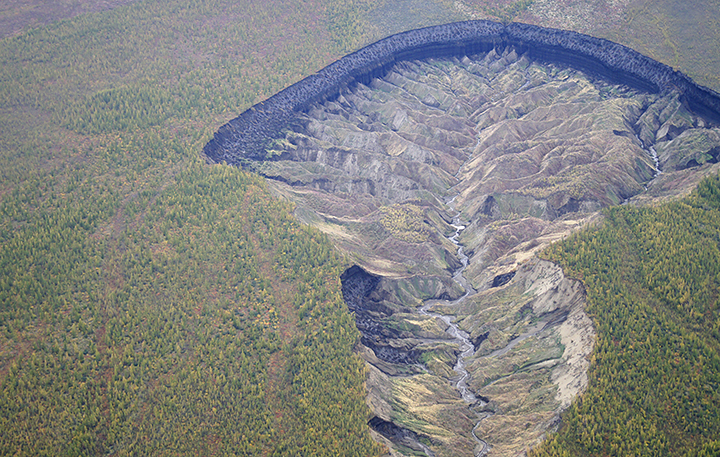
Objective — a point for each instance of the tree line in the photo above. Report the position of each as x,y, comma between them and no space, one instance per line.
652,276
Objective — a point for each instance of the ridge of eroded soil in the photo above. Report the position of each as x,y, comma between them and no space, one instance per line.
529,153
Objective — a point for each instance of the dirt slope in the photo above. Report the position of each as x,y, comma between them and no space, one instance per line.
526,153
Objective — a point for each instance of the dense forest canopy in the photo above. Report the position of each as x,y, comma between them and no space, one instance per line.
152,304
651,276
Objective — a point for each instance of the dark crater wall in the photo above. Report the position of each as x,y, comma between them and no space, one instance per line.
357,288
397,434
247,136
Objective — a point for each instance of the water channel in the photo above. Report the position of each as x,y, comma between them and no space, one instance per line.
461,337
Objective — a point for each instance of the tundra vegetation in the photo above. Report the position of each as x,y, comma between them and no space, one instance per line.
651,275
151,304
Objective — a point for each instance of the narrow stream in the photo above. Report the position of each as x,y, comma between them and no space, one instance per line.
650,150
461,337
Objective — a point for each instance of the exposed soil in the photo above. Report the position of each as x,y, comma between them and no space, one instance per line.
528,153
534,152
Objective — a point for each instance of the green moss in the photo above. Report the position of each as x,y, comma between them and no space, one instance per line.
406,222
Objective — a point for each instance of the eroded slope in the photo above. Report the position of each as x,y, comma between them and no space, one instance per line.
526,153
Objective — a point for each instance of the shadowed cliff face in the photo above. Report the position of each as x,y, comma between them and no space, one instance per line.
249,135
526,152
519,152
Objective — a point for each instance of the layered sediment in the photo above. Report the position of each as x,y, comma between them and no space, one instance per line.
527,151
250,134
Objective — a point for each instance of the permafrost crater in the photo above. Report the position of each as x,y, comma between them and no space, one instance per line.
441,161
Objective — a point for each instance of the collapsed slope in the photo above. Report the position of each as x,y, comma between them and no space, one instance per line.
248,135
519,151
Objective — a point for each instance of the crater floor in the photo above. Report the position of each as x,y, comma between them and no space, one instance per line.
526,153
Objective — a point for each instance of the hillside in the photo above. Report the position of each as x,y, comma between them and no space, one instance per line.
152,303
651,276
511,154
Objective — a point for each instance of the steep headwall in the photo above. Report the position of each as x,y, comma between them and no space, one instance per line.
247,136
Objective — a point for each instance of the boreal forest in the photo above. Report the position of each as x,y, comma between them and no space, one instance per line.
155,303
